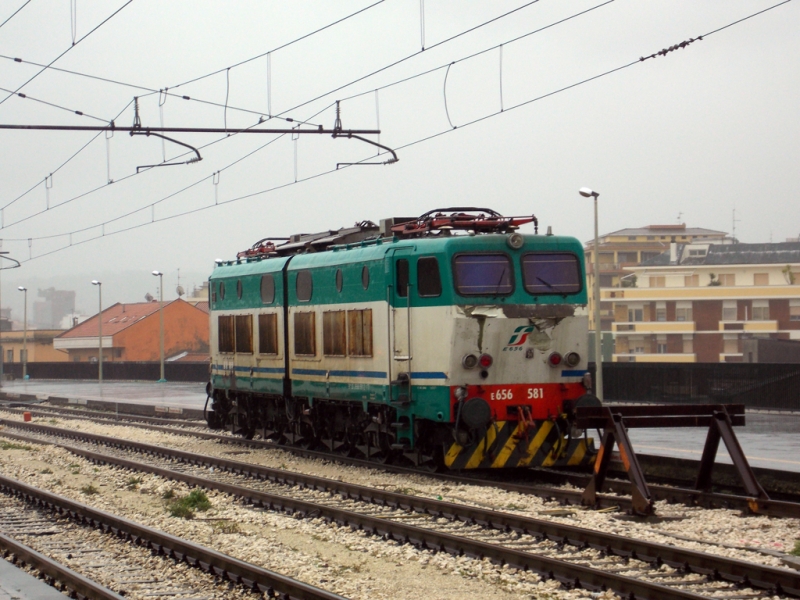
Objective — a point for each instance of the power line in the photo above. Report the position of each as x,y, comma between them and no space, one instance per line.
106,20
281,47
76,112
15,13
281,186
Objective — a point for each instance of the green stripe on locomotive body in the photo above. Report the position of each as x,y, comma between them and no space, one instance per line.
324,265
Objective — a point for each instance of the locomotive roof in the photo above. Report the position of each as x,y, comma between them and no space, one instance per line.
373,250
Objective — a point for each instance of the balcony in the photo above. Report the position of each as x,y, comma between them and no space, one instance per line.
655,327
641,357
749,326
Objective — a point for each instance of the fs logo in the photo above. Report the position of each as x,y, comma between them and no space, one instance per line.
520,335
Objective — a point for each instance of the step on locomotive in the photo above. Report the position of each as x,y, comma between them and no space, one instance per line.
449,340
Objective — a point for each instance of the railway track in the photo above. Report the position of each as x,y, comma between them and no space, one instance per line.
94,554
571,555
619,491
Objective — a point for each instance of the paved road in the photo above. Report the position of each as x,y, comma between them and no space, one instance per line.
770,440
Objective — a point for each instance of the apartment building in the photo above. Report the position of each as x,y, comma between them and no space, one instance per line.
698,302
625,248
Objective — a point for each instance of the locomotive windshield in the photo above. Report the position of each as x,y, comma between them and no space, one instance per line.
551,273
483,274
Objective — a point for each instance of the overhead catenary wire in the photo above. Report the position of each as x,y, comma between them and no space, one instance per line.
14,14
106,20
323,173
80,113
382,87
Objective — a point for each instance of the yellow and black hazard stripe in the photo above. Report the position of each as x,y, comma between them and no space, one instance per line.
520,444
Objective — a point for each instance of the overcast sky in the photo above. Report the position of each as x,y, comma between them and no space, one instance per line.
686,137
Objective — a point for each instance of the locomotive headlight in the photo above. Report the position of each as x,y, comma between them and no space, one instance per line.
554,359
572,359
470,361
515,241
485,361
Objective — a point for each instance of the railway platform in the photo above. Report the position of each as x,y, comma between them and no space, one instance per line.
16,584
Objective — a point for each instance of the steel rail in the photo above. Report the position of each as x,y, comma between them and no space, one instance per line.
671,494
732,570
569,575
562,495
211,561
78,585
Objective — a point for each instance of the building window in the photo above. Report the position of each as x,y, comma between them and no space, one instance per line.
658,282
429,282
305,342
730,346
729,312
661,314
334,336
727,279
794,313
635,314
683,314
661,348
359,326
627,257
304,286
268,333
244,334
267,289
691,281
688,347
760,311
225,333
761,279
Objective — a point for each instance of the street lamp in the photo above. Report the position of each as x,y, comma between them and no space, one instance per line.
160,276
24,334
99,285
598,347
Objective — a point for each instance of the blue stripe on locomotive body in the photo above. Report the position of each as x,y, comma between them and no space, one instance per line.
369,379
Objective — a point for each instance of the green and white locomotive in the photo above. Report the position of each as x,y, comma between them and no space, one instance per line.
450,340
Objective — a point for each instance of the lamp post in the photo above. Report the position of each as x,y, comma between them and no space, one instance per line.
24,333
160,276
99,285
598,347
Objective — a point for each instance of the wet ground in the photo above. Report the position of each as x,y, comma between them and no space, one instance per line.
770,440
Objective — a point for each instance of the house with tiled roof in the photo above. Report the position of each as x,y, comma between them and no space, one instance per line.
131,333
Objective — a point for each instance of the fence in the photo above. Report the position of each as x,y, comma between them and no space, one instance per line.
123,371
756,385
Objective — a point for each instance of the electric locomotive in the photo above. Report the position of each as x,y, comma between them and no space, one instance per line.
448,340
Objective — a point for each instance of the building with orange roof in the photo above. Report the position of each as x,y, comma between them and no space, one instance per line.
131,333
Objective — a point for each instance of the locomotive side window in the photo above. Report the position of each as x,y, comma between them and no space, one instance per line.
222,290
551,273
304,286
305,338
429,282
339,280
402,277
239,289
359,325
244,334
268,333
483,274
334,335
365,276
267,289
225,333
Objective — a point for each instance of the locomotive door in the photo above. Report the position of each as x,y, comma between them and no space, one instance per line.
399,296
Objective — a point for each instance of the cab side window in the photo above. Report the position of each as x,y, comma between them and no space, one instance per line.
429,282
